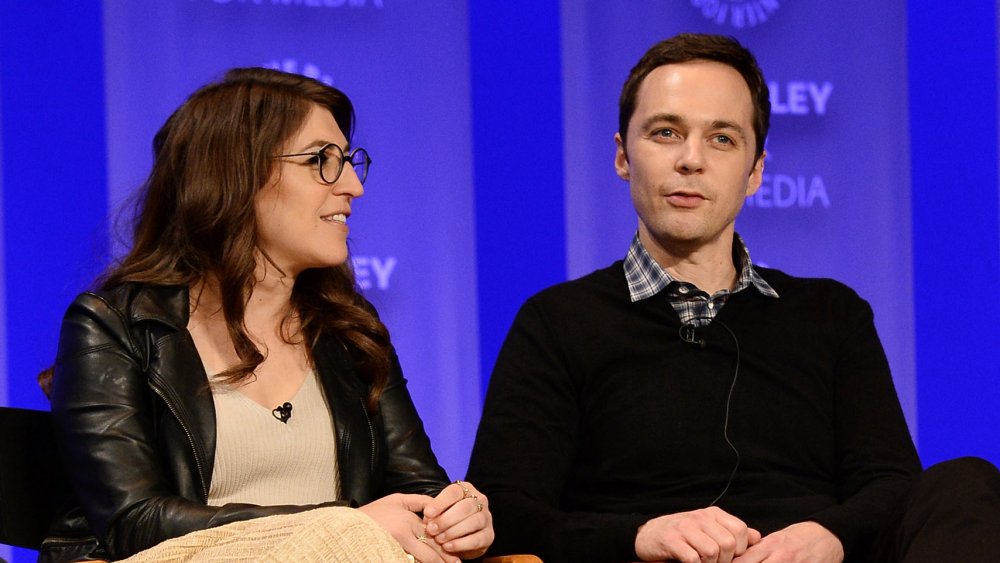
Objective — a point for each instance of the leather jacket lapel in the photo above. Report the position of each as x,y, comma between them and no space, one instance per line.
177,376
346,395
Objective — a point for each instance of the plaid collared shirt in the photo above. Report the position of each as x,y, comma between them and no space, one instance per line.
646,278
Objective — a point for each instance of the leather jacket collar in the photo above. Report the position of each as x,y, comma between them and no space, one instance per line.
172,359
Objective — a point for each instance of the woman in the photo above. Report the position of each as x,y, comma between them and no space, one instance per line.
228,369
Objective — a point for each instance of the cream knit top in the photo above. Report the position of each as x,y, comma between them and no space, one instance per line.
260,460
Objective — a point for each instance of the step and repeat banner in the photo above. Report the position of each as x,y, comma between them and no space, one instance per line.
835,196
835,200
405,67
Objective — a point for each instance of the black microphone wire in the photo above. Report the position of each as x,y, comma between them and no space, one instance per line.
725,422
729,402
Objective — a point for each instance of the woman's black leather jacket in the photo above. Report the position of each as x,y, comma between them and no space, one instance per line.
135,425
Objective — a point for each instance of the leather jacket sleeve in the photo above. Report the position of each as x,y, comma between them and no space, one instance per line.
411,466
107,427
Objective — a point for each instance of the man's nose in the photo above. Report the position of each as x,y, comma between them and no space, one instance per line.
692,157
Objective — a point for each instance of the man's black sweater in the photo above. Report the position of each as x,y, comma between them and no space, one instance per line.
600,417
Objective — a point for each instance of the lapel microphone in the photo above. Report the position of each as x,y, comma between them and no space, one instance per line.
283,412
688,333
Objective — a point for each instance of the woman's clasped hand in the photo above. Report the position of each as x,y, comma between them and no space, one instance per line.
454,525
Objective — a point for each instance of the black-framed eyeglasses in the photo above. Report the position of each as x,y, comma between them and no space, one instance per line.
330,160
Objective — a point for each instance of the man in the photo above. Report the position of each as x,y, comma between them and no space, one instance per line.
685,404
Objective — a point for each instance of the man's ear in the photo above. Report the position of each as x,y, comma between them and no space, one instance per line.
621,158
756,175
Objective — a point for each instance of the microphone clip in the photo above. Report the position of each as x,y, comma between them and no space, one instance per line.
688,334
283,412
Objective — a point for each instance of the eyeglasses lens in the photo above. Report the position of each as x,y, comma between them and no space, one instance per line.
333,160
360,160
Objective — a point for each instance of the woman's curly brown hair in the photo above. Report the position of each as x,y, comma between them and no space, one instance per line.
196,215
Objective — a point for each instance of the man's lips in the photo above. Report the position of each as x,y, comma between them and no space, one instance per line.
685,199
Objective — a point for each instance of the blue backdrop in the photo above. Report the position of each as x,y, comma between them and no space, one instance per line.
490,125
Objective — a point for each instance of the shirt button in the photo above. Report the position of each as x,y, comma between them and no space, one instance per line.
682,289
711,305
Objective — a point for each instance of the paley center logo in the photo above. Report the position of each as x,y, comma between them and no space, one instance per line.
790,190
373,271
305,69
737,13
783,189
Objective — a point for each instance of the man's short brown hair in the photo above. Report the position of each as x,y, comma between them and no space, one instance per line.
688,47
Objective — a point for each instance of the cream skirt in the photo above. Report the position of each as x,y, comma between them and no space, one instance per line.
337,534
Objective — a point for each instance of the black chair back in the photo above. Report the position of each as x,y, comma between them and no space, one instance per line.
31,476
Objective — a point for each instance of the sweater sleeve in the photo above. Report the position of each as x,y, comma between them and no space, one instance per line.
875,454
525,449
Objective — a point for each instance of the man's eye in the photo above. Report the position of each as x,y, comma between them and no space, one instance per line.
665,133
723,139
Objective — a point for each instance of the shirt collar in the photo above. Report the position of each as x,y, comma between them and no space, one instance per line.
646,278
